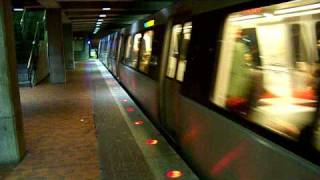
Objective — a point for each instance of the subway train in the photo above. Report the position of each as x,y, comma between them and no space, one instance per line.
234,85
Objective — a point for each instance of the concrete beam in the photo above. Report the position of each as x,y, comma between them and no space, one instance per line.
65,19
49,3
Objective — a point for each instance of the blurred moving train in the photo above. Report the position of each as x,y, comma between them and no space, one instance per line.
234,84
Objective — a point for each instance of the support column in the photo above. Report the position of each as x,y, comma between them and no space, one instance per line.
55,46
68,46
12,146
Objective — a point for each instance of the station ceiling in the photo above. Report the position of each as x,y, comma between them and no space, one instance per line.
83,14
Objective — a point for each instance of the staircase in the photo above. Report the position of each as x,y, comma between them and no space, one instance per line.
27,36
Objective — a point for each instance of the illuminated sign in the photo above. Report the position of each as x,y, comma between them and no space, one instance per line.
252,11
149,23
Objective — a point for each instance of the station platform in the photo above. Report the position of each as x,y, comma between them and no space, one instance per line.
90,128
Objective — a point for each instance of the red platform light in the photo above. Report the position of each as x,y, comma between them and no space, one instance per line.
130,109
138,123
152,141
124,100
173,174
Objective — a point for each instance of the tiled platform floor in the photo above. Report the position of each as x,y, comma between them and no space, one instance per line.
61,140
59,131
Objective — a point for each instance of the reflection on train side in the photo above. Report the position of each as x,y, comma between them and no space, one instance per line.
269,67
128,50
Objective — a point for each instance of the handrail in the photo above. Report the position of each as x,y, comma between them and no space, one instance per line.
44,16
33,44
22,20
30,66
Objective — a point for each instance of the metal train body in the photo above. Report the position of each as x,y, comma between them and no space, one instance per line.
218,142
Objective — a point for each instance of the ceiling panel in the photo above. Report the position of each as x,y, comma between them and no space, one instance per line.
83,14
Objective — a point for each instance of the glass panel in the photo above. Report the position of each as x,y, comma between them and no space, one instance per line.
146,51
135,51
187,28
299,47
267,72
128,49
174,50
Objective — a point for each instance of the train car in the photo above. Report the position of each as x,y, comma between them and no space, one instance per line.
234,84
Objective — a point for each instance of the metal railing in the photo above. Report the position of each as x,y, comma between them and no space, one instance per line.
35,43
22,20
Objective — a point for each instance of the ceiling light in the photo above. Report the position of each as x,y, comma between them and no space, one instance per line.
106,9
102,15
297,9
18,9
100,20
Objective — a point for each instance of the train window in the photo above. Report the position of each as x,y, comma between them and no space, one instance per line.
267,72
180,39
135,50
299,47
146,52
174,50
183,52
128,49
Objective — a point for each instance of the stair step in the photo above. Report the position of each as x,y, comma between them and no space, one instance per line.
24,84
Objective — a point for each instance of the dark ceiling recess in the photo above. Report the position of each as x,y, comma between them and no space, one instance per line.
84,14
25,3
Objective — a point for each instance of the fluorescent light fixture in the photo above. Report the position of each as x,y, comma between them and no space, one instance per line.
18,9
102,15
106,9
100,20
98,25
241,18
317,11
297,9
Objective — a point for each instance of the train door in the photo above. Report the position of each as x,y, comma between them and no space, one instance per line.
114,53
107,63
176,65
118,55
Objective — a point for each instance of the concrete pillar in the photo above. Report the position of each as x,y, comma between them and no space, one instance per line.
55,46
68,46
12,146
